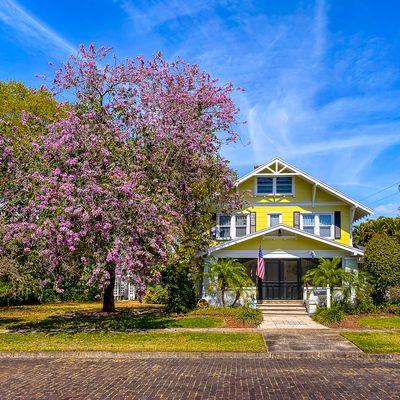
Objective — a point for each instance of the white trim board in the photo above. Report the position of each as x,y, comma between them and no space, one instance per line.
364,209
286,228
280,254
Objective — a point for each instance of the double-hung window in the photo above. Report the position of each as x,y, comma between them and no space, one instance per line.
274,186
274,219
241,225
224,227
318,224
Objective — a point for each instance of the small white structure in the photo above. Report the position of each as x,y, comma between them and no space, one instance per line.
124,290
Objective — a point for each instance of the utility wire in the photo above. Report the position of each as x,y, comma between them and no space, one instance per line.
383,198
380,191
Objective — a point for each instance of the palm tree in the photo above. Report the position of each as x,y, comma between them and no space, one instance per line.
329,273
228,274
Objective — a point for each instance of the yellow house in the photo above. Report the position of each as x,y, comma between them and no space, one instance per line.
295,219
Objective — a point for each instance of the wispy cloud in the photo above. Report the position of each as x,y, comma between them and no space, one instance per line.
30,32
389,210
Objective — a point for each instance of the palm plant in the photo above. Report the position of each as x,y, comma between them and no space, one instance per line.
328,273
228,274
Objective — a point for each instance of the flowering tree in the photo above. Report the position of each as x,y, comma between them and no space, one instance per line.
127,176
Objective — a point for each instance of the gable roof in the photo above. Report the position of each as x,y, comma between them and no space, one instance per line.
290,229
360,209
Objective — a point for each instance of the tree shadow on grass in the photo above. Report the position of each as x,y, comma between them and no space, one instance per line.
118,321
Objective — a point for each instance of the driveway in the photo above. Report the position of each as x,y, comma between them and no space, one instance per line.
196,377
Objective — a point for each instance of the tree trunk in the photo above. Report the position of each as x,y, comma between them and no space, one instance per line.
237,297
108,298
223,297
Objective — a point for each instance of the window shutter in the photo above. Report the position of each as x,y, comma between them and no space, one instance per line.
338,224
296,219
252,222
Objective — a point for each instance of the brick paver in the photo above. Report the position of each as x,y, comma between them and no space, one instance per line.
219,377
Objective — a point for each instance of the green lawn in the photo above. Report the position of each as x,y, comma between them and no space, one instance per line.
129,315
375,342
380,322
138,342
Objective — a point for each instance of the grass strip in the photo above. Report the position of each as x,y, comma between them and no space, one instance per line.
138,342
375,342
380,322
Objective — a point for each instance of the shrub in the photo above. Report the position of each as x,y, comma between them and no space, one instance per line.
244,314
333,315
393,309
249,316
155,294
393,295
382,262
181,294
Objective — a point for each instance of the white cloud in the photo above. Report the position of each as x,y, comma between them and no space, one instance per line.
30,31
388,210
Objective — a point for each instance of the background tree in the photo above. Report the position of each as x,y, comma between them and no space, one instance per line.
227,274
128,179
382,263
364,232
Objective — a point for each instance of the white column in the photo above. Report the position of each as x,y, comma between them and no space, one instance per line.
328,297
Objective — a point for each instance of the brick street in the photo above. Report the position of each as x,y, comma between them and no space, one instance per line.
216,377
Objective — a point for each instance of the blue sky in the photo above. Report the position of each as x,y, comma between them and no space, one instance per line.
321,78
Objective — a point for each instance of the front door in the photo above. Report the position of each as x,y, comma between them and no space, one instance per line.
282,280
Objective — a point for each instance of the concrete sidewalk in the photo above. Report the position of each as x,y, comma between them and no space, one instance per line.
289,322
309,342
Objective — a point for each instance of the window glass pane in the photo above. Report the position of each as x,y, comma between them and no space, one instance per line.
240,231
225,220
325,231
264,185
224,232
241,220
325,220
309,229
284,184
273,219
308,220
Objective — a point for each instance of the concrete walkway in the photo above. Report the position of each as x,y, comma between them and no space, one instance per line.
307,342
289,322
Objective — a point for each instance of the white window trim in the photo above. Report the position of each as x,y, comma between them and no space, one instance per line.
292,193
269,218
317,225
232,226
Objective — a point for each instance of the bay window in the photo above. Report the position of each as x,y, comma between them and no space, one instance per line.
318,224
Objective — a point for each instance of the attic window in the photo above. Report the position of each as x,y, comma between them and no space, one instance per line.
274,186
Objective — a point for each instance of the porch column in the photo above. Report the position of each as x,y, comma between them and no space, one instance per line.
328,297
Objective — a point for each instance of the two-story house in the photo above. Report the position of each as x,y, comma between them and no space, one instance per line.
295,219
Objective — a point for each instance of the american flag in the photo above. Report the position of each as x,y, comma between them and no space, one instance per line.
260,265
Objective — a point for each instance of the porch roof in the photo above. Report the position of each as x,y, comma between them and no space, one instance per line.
282,228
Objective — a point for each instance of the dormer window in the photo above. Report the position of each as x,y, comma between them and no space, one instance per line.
282,185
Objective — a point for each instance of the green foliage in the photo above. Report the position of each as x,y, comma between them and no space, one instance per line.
155,294
364,232
249,316
181,295
394,295
382,263
246,315
227,274
393,308
333,315
328,273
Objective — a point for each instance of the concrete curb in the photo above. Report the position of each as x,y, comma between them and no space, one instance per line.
174,355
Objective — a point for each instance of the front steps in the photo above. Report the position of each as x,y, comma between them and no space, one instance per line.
282,307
